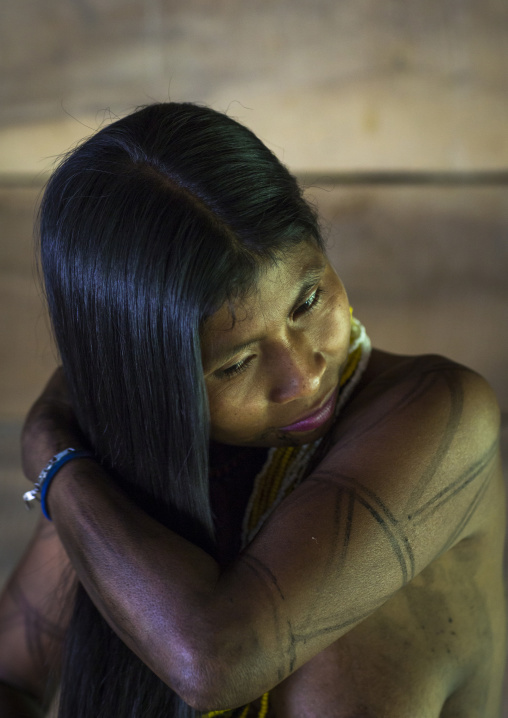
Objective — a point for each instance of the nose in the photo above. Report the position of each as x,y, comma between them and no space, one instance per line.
297,370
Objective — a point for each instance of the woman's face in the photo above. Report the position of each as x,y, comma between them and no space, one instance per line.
272,374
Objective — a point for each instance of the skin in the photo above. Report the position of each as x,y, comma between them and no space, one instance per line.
374,589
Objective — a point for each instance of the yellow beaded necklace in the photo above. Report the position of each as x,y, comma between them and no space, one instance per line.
284,469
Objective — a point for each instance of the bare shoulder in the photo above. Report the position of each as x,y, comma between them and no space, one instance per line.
419,442
427,390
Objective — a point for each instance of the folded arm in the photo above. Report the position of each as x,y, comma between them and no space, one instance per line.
408,477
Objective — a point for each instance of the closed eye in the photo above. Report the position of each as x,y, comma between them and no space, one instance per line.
237,368
310,304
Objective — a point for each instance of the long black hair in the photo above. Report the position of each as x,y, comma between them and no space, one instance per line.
145,230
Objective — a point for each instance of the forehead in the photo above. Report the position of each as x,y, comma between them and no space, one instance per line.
275,291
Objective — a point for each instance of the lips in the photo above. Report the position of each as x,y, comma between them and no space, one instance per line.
317,417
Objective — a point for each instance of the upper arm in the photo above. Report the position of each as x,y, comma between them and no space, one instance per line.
34,612
407,479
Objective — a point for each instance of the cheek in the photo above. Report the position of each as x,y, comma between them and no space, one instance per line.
332,334
228,410
237,415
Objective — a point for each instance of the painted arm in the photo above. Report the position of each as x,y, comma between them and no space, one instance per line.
410,475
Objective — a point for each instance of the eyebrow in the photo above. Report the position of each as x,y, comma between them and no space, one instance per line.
309,279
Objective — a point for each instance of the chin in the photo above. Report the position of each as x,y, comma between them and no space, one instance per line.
282,438
276,437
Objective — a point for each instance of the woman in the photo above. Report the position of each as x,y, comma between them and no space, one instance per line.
271,519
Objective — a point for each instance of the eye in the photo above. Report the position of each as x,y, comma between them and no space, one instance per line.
310,304
237,368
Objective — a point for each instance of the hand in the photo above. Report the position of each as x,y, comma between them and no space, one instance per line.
50,427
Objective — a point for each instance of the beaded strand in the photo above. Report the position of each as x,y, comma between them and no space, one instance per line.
263,709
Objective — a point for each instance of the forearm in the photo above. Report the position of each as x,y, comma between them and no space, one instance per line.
165,597
155,589
15,703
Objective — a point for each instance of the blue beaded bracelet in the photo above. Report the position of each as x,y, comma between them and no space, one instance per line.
41,486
